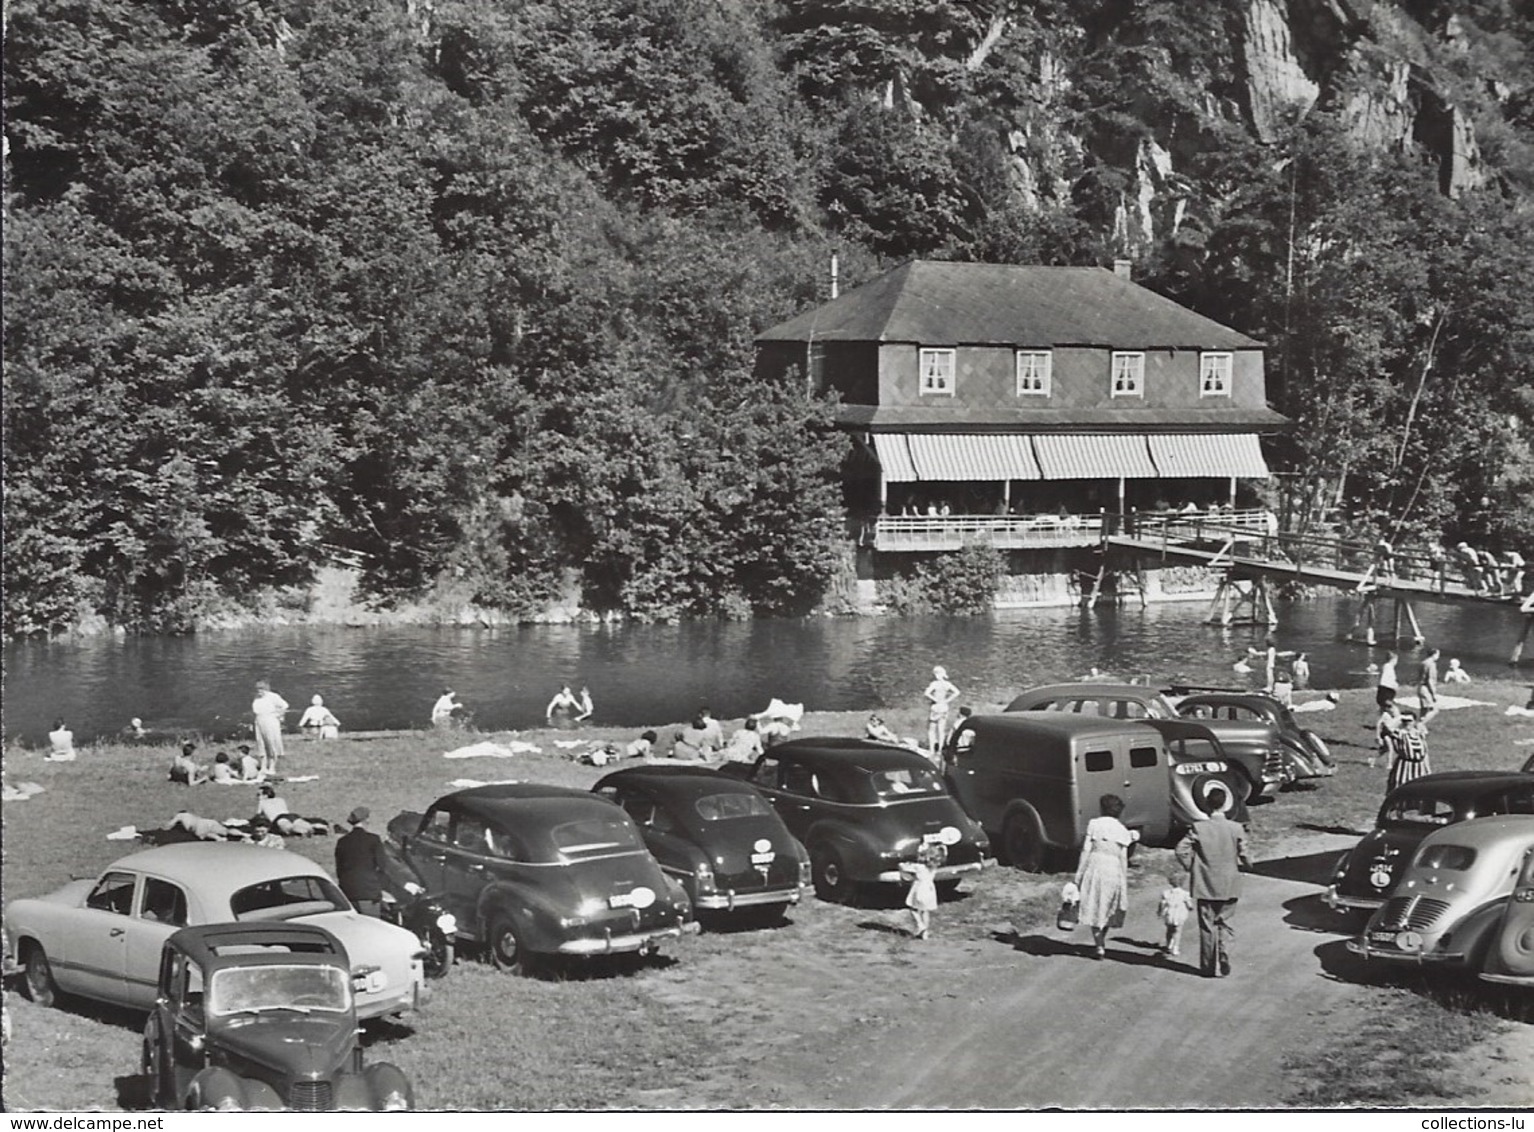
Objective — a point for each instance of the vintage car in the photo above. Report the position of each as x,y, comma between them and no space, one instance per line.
1034,779
261,1016
1252,746
715,834
1510,958
529,870
101,939
1305,753
862,809
1366,874
1448,904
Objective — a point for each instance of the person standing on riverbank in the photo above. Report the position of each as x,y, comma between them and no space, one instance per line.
1388,685
1427,685
940,695
1408,743
268,708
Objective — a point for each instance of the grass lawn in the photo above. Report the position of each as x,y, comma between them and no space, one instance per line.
686,1029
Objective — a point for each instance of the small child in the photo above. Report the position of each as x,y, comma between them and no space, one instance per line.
922,897
1173,910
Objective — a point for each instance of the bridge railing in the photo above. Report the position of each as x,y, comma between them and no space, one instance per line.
1302,550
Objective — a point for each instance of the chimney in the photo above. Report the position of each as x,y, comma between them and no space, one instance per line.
1123,267
835,288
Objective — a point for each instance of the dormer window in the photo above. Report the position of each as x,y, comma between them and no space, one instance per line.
1033,373
1214,374
937,372
1128,374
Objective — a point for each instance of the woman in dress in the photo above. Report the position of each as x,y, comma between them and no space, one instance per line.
1103,873
268,708
1409,743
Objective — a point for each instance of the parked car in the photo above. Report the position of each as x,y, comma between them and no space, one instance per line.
863,808
1306,754
1510,958
715,834
1252,746
1366,874
1033,779
101,939
1448,904
261,1016
529,870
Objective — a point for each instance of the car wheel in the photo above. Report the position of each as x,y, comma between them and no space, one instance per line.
41,988
1023,841
830,875
505,948
439,953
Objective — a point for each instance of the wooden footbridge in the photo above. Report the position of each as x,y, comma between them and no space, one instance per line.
1254,560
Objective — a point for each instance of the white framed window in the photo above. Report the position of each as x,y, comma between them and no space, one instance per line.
937,372
1033,373
1128,374
1214,374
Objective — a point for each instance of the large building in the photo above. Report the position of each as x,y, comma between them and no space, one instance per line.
1018,405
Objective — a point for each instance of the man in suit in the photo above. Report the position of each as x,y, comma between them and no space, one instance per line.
361,867
1214,853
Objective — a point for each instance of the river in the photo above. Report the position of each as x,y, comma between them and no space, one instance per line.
388,677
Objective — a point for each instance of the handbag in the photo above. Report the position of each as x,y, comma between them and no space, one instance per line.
1068,916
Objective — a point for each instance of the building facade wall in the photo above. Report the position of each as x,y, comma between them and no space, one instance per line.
985,378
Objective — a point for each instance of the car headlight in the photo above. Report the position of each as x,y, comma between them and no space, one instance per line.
447,924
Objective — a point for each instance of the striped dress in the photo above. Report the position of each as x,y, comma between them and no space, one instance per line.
1410,747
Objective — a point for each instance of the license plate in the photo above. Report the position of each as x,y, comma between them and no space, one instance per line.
1386,938
1201,768
932,839
763,858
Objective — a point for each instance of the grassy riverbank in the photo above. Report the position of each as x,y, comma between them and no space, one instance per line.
735,1020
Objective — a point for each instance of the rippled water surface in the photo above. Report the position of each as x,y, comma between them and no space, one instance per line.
388,677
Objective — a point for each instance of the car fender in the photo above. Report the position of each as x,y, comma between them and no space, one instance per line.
388,1088
1022,808
536,923
261,1097
858,852
1476,932
216,1088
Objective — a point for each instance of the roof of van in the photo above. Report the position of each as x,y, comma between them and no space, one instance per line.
1060,723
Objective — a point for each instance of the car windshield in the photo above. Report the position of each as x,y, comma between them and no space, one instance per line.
722,807
239,990
286,898
593,837
1454,858
906,780
1409,811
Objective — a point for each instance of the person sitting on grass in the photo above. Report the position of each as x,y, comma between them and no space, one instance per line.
642,747
184,768
61,744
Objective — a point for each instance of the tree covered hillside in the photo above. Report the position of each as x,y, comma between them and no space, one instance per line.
466,289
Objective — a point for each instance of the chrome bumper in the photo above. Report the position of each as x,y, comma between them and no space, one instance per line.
617,944
724,901
943,872
1420,958
1339,903
1512,980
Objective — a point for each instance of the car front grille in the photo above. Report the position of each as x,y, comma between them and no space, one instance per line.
1273,767
1419,913
311,1096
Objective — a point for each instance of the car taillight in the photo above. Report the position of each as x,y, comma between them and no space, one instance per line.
805,876
705,875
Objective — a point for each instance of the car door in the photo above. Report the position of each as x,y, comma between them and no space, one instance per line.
466,867
161,908
796,801
427,853
93,956
188,1022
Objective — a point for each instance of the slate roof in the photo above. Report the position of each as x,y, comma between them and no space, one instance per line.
930,302
957,418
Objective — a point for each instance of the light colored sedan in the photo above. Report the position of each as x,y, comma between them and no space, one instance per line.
101,939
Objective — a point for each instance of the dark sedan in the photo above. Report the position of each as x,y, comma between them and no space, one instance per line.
533,870
715,834
1305,754
1366,874
864,808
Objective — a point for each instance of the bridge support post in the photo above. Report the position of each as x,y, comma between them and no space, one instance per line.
1261,586
1528,627
1411,618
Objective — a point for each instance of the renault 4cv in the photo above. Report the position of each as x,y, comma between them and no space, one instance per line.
261,1016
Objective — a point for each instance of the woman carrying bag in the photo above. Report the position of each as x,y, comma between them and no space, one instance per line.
1103,873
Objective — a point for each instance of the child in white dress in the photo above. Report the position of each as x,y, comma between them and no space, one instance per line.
1173,911
921,899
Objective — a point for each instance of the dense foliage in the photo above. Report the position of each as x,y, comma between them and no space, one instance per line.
467,289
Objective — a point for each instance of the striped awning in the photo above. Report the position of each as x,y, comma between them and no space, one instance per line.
1093,457
983,458
894,457
1199,455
